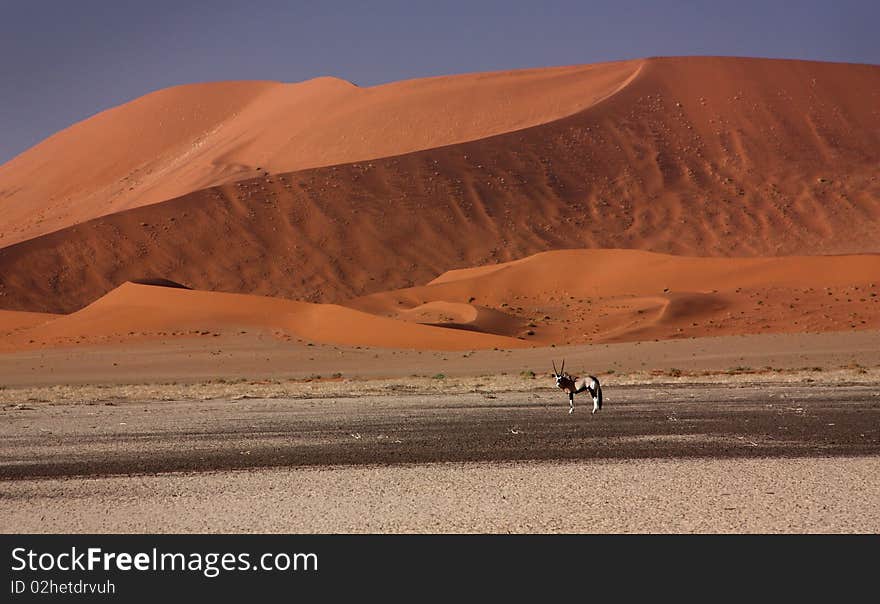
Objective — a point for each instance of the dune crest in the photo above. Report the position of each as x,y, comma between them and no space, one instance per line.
182,139
694,156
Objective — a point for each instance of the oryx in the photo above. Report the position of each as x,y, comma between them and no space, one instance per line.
573,385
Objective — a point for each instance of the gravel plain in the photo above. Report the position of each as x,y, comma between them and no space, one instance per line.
469,455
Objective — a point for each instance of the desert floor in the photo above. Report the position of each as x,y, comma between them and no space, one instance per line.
262,356
741,449
800,495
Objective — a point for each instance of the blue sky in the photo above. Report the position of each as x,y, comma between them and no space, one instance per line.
64,60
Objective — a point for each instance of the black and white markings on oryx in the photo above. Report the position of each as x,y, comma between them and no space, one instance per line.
574,385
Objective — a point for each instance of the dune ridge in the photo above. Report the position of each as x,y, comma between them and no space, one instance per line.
694,156
182,139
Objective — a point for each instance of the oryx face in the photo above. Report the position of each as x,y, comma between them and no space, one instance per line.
560,374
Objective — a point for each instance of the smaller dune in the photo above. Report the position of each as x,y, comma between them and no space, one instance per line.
561,297
13,320
441,312
136,311
692,305
342,325
588,296
463,316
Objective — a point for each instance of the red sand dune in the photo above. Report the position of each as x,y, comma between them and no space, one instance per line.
135,312
186,138
459,315
749,170
693,156
11,320
560,297
579,296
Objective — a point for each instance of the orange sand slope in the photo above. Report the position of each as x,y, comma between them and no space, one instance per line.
580,296
186,138
693,156
560,297
133,312
11,320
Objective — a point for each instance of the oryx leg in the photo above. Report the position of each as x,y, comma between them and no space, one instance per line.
596,393
570,403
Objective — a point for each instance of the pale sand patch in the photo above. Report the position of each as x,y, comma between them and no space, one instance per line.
838,356
241,388
815,495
